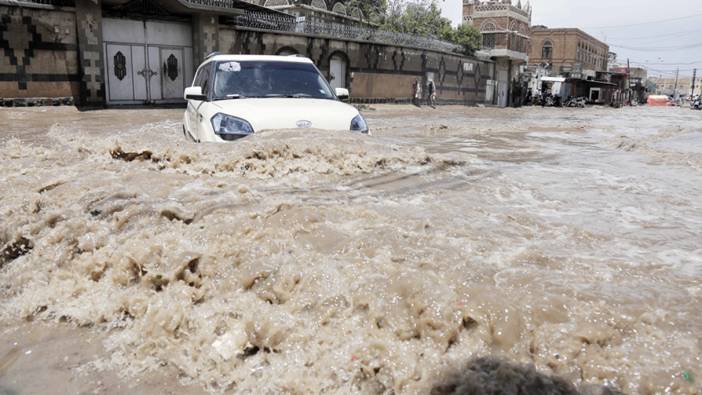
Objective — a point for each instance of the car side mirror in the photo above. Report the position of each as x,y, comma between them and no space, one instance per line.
342,93
194,93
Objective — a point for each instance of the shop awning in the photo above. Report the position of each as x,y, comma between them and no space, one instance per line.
553,79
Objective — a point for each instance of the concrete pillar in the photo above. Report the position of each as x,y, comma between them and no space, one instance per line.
205,36
90,55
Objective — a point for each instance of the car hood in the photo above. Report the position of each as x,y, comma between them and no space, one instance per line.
288,113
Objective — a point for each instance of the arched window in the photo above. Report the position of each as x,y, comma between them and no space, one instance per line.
357,13
319,4
488,26
547,50
339,8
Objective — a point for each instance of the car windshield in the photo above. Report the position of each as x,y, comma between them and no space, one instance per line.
269,79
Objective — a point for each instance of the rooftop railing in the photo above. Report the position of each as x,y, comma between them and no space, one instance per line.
341,31
48,3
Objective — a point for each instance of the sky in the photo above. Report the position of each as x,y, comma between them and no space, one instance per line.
661,35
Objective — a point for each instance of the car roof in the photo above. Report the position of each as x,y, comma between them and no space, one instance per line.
260,58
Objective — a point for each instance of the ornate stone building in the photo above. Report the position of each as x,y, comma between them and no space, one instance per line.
505,27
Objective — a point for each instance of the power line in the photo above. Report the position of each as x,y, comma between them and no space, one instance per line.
655,37
646,23
658,35
669,64
657,49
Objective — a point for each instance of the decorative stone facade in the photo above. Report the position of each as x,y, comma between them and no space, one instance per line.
90,56
504,26
39,53
505,30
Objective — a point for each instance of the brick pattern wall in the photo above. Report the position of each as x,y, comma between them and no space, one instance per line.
89,26
38,53
375,73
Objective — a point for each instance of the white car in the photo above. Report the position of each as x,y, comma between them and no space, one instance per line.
234,96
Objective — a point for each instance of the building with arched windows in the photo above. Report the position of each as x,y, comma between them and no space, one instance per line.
505,27
568,52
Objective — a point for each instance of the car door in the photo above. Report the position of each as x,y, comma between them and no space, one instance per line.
193,110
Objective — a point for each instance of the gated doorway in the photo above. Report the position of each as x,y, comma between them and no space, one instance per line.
146,61
337,71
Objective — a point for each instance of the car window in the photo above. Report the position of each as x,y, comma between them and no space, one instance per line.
269,79
202,78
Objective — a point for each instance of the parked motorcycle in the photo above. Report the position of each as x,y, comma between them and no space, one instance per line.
577,102
696,103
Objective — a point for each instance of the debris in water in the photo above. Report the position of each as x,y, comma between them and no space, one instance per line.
15,250
687,376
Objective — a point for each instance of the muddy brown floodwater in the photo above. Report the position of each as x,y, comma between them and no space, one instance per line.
321,262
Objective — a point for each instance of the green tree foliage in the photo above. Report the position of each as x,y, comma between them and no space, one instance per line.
423,17
468,37
373,10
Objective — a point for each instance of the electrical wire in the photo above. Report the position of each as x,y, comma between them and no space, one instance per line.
646,23
657,49
658,35
668,64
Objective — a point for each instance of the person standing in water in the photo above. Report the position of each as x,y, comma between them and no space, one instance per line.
431,93
417,93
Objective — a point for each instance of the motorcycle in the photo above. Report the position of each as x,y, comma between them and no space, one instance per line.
578,102
696,103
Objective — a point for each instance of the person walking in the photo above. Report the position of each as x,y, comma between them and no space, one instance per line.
417,93
431,93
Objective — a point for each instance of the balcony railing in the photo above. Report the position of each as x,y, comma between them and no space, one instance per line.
48,3
342,31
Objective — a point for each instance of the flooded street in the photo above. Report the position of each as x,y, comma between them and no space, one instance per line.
319,262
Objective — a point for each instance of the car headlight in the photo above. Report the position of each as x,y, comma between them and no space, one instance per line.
358,124
230,128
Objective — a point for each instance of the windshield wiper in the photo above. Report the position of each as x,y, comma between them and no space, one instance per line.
231,96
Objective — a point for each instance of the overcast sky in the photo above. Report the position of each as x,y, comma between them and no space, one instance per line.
642,30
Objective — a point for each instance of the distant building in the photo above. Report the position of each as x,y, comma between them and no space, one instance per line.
568,52
636,81
667,86
505,29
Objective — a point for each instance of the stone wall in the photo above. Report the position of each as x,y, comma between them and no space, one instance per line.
90,52
375,72
39,56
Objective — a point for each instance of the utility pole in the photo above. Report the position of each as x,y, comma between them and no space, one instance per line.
694,78
628,82
675,89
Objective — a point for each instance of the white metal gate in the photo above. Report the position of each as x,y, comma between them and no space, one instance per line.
502,87
337,71
146,61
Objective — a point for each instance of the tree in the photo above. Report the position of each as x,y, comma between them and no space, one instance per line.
420,18
424,18
468,37
371,9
